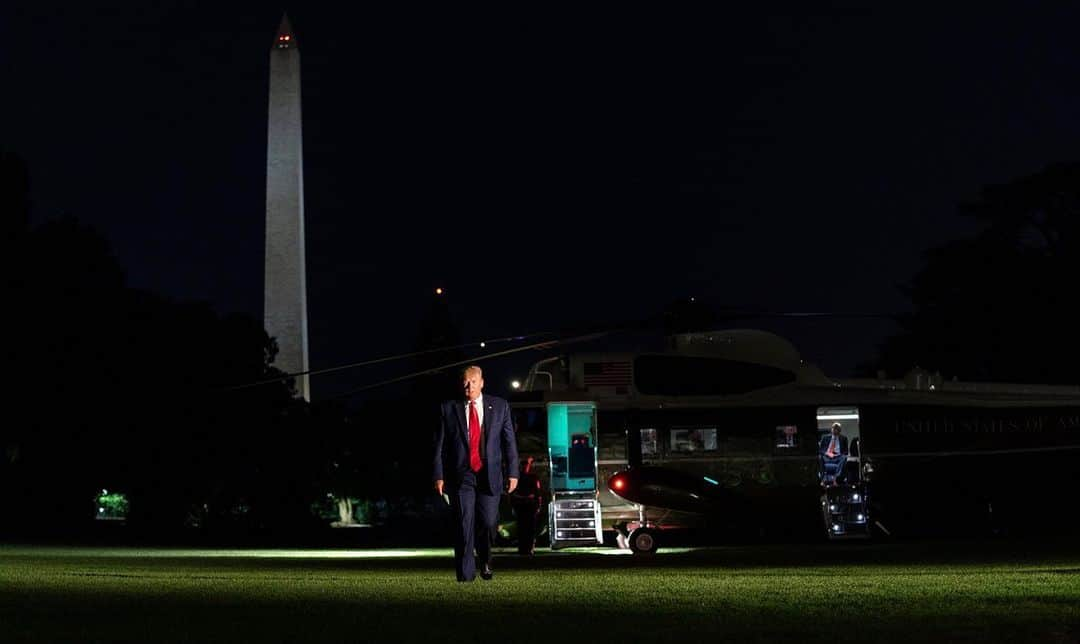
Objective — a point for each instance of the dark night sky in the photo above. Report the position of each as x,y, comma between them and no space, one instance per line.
600,165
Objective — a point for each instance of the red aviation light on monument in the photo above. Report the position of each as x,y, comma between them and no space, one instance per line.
285,35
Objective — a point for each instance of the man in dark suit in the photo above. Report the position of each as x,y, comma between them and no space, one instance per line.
834,451
475,459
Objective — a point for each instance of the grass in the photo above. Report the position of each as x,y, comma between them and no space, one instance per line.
823,593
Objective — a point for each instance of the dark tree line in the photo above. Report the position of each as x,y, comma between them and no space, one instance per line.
117,388
113,387
1000,305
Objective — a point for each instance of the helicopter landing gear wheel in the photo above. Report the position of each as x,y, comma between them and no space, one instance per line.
643,541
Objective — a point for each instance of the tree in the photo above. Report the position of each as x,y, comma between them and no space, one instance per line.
997,306
122,389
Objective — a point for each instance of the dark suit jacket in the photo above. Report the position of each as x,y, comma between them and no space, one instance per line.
827,438
498,445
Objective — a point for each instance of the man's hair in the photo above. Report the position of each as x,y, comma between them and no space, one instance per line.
836,426
466,370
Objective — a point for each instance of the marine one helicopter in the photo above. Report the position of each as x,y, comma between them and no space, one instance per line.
730,433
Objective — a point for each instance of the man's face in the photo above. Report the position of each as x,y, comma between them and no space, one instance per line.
473,383
836,430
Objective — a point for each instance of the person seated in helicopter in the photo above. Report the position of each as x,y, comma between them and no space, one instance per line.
833,449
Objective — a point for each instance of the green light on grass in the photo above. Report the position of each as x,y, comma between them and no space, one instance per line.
111,506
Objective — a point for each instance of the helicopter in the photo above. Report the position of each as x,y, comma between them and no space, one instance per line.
724,433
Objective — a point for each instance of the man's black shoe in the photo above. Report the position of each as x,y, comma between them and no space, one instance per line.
486,572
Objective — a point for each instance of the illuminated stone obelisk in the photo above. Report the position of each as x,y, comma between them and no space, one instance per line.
285,294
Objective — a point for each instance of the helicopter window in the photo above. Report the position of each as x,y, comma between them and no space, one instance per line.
787,436
650,442
693,440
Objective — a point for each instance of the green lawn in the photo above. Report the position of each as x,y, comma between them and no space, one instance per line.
827,593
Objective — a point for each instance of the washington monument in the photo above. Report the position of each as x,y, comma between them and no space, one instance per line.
285,284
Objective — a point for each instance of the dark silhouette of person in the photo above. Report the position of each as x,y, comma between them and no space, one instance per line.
475,456
833,449
527,500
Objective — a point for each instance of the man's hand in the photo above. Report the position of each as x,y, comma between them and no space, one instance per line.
439,486
513,485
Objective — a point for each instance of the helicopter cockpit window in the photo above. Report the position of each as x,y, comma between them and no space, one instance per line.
787,436
693,440
650,442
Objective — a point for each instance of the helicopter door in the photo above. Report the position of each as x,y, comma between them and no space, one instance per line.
844,502
574,512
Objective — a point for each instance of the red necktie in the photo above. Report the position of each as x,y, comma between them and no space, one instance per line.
474,438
